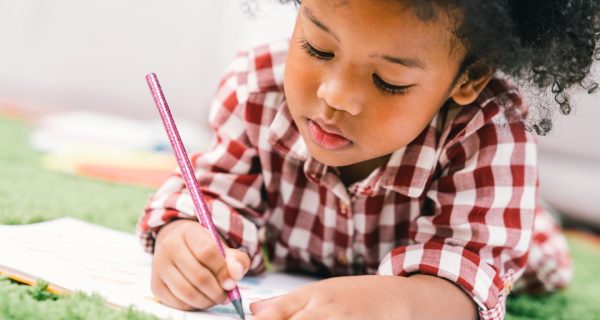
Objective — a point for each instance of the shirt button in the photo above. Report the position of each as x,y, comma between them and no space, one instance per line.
342,260
508,287
343,208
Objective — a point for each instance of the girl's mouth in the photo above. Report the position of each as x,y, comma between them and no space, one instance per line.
326,139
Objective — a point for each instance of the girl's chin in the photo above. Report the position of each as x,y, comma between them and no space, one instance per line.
333,159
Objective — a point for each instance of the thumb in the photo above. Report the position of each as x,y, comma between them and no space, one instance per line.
238,263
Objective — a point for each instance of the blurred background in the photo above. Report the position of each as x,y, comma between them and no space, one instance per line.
76,69
68,54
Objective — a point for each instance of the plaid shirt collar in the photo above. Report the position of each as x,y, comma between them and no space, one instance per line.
407,171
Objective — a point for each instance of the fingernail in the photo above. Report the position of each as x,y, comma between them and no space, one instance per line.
239,270
257,306
228,284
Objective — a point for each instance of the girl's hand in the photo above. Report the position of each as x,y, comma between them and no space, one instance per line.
188,271
355,297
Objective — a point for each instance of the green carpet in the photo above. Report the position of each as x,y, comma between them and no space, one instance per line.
28,193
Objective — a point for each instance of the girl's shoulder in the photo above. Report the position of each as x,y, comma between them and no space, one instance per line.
499,105
260,69
250,94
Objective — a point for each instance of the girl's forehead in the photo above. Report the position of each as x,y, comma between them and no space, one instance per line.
386,23
382,13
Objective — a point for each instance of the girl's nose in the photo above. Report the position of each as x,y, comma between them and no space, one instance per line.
341,93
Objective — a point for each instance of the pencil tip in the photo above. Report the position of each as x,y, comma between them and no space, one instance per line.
238,307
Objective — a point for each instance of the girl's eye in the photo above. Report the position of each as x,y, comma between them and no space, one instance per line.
388,88
314,52
379,83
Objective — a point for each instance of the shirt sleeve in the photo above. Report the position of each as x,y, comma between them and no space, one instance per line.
549,265
228,174
476,226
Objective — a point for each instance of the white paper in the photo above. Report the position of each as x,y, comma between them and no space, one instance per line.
80,256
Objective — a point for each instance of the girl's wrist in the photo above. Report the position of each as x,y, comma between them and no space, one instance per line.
166,229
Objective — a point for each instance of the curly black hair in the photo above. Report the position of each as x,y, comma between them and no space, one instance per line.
547,46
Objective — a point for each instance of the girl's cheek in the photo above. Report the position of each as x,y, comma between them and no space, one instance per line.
312,74
303,77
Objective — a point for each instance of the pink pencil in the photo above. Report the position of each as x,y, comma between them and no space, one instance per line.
189,177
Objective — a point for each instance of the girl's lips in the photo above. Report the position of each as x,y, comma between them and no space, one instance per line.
324,139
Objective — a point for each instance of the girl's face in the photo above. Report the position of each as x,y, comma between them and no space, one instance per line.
365,77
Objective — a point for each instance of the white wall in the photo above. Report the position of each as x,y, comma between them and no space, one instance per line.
570,161
64,54
579,132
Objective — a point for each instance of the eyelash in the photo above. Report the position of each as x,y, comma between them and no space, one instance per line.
314,52
377,81
388,87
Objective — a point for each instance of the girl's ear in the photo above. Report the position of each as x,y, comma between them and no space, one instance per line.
467,90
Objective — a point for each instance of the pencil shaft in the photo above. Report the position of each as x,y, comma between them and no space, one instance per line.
202,212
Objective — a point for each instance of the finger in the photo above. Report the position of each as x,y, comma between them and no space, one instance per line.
282,307
205,250
183,290
238,263
308,314
164,295
200,277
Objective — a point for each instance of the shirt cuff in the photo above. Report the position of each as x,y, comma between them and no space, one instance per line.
152,221
478,279
235,229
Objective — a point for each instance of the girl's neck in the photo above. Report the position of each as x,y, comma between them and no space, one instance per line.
359,171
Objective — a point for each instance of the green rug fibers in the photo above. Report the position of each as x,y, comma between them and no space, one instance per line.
581,300
23,302
28,193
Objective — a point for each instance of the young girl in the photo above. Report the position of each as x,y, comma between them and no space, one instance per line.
381,145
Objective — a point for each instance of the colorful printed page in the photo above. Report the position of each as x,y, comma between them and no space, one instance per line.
79,256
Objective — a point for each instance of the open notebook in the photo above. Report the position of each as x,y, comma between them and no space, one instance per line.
73,255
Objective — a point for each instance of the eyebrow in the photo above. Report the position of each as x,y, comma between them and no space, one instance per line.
407,62
308,14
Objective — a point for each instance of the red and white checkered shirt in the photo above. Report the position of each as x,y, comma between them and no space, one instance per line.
458,202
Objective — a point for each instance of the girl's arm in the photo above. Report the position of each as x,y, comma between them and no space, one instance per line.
371,297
